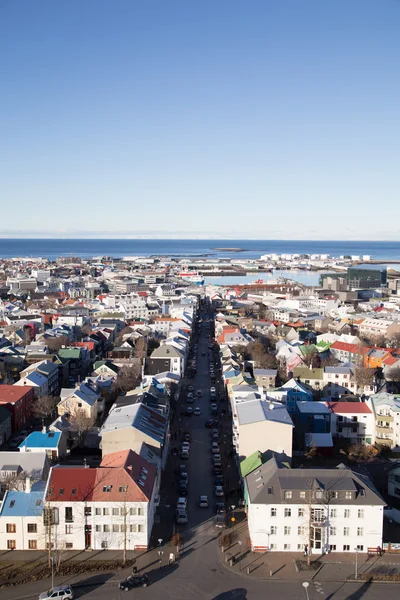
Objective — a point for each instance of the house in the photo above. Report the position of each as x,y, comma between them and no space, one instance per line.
5,424
51,442
354,422
37,382
312,418
109,507
265,378
325,510
394,481
15,467
84,398
290,393
18,401
48,369
386,408
21,519
262,425
313,378
168,358
128,427
377,327
105,367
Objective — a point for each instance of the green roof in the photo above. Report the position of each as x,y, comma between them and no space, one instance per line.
252,462
69,353
324,345
307,349
306,373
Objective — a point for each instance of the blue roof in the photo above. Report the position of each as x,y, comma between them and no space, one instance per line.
37,439
21,504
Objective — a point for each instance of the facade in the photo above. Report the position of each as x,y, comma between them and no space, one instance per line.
265,378
110,507
5,425
54,443
386,408
352,421
49,370
18,401
21,520
321,510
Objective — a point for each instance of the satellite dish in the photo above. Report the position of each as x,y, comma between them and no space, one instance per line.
271,406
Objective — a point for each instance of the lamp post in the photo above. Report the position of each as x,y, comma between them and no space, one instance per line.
305,586
356,551
52,571
160,552
233,519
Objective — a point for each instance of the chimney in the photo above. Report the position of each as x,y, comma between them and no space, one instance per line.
44,429
28,486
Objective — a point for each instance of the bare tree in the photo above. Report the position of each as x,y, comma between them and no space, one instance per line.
44,406
27,335
394,341
364,375
141,347
55,344
81,423
128,377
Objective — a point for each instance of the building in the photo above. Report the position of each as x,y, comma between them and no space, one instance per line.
262,425
37,381
359,278
54,443
354,422
48,369
15,467
18,401
265,378
21,519
323,510
5,425
109,507
386,409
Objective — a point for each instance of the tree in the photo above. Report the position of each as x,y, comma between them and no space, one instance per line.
394,341
128,377
27,335
152,344
44,406
55,344
393,375
364,375
141,348
81,423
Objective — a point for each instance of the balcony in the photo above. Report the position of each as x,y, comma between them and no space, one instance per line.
386,418
383,429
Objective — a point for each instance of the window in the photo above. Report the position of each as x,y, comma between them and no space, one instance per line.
286,546
301,512
346,548
301,530
106,511
32,528
288,494
348,495
133,528
273,547
333,513
106,528
97,511
68,529
68,514
107,488
346,531
332,547
104,545
115,512
140,511
319,494
332,531
300,547
360,547
132,512
286,530
73,491
288,512
274,530
347,513
98,528
11,544
140,528
302,494
123,488
69,545
115,528
11,528
273,512
32,544
360,531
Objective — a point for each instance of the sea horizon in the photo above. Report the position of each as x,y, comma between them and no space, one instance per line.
53,248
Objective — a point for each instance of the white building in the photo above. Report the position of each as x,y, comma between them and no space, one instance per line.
352,421
386,409
321,510
21,519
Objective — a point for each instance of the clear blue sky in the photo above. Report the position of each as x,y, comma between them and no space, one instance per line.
243,118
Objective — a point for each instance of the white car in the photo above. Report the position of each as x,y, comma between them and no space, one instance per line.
213,391
197,411
186,445
215,448
181,504
203,502
181,516
219,490
60,591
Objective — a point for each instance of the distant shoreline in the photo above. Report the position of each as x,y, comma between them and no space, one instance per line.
229,249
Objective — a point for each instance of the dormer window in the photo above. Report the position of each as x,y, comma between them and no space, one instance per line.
107,488
288,494
349,495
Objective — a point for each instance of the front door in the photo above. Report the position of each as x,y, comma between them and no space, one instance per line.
316,538
88,536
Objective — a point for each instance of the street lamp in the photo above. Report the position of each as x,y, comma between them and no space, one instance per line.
52,571
305,585
356,551
233,506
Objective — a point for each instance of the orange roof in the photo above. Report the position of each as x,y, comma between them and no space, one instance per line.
348,408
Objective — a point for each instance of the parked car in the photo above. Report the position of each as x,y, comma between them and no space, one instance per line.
60,591
184,454
211,423
219,491
134,581
183,489
220,522
219,480
203,502
215,448
197,411
190,388
184,476
182,503
186,445
187,436
181,516
220,508
189,411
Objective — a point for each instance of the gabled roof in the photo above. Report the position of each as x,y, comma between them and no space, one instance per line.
138,416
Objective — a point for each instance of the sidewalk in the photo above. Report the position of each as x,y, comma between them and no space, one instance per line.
292,565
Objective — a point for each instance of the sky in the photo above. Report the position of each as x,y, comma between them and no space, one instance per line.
265,119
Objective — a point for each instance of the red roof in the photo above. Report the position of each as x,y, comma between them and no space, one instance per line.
122,477
349,408
353,348
13,393
88,345
143,294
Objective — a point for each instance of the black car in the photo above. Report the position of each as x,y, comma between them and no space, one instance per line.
134,581
211,423
183,489
219,480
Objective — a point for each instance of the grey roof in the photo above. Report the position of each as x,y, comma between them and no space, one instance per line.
254,411
265,372
138,416
305,406
32,463
341,370
267,484
384,398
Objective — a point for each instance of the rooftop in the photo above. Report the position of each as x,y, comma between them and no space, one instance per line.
37,439
255,411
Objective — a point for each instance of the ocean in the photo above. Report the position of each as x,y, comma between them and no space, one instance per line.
87,248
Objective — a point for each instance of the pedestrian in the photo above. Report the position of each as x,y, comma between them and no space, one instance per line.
305,550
